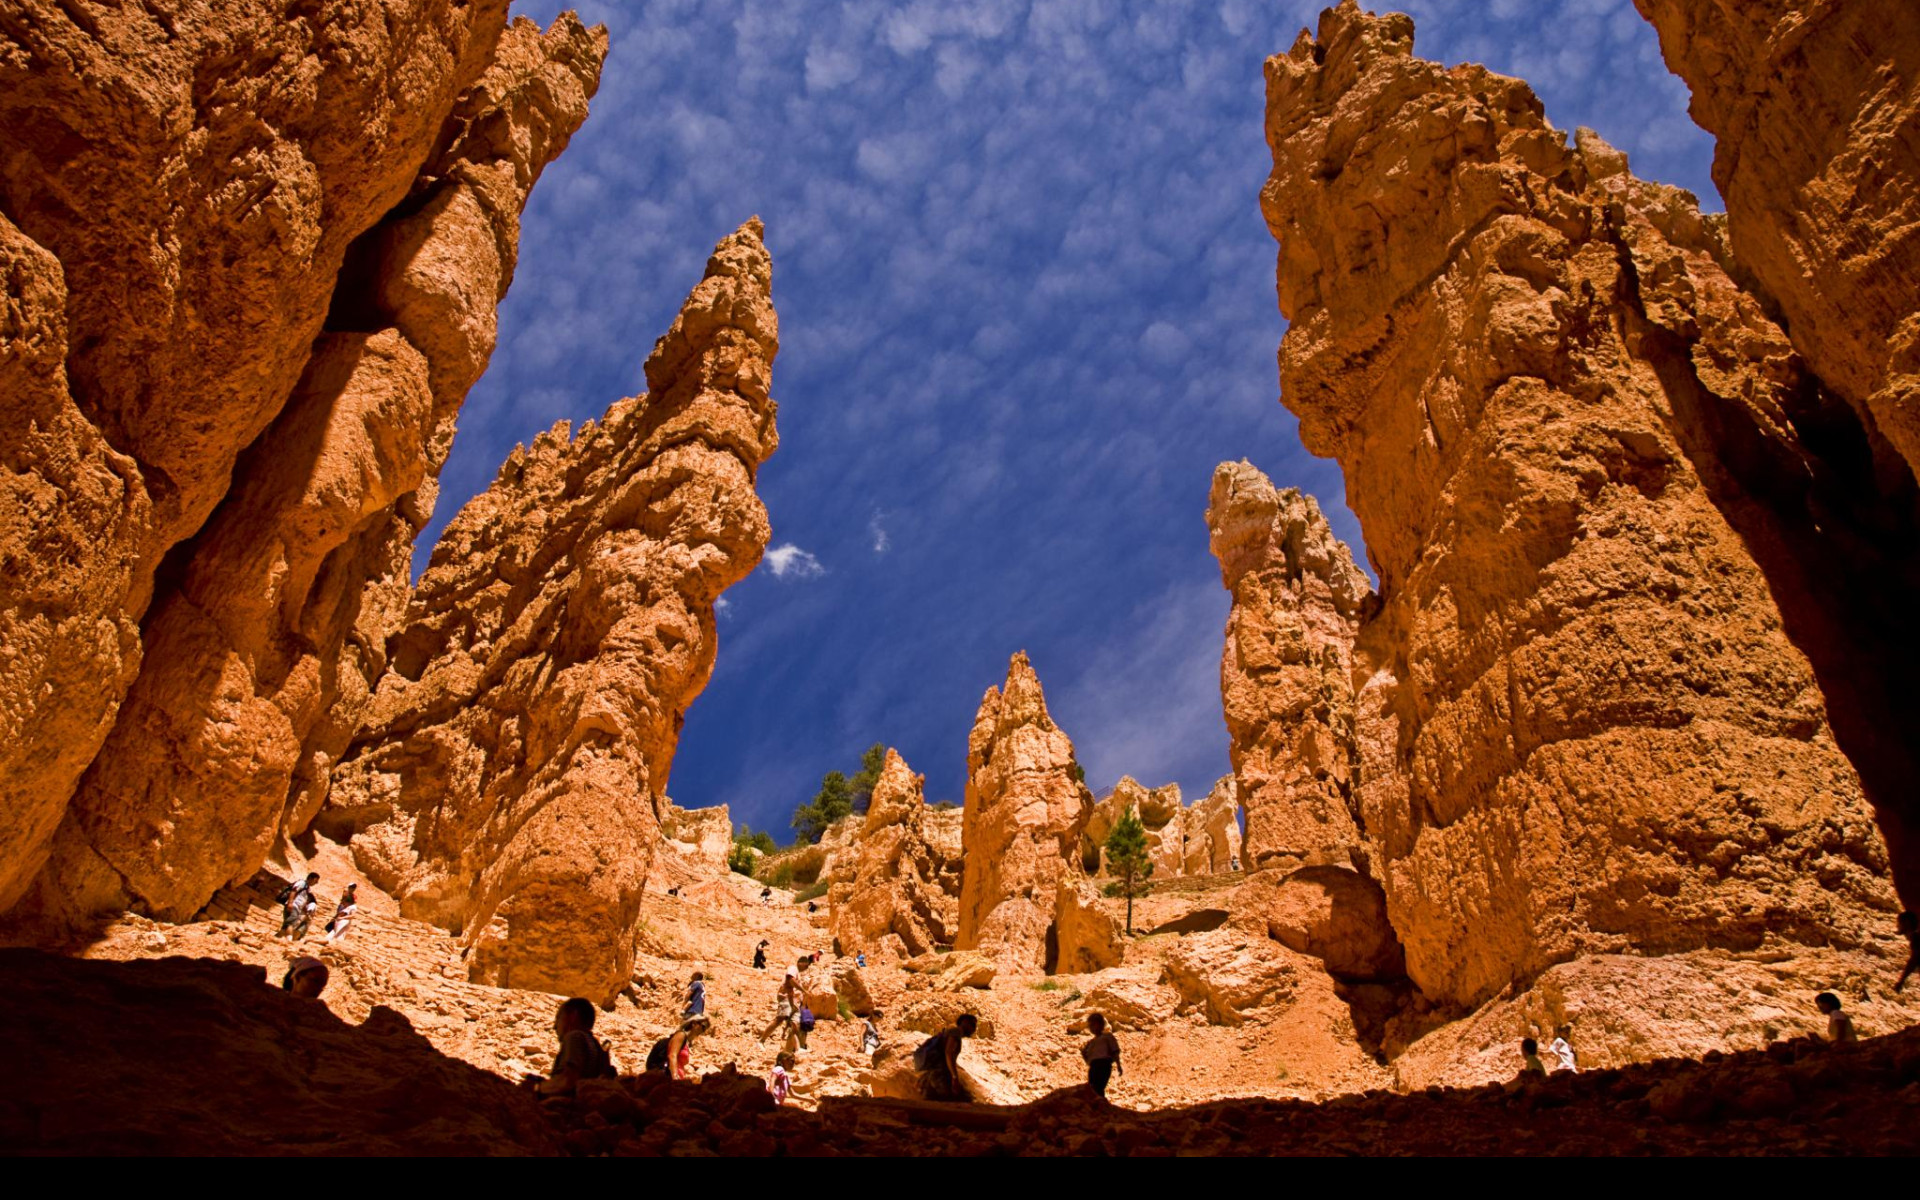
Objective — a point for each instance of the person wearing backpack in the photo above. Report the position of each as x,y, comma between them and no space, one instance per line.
788,1005
581,1055
938,1060
297,905
673,1052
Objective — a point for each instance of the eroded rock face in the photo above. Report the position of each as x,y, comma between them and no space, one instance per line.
1816,109
1582,728
1086,936
701,836
1213,830
510,778
891,899
1025,814
279,290
1287,674
1816,112
1335,914
1160,812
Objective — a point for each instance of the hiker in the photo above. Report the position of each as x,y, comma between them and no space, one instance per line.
938,1060
1530,1058
870,1034
696,996
813,906
781,1082
760,956
1909,926
1840,1030
306,977
1562,1049
766,895
788,1007
1102,1053
581,1055
860,960
297,905
672,1052
674,890
342,919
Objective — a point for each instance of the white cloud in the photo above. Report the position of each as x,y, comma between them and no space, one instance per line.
792,560
722,607
878,532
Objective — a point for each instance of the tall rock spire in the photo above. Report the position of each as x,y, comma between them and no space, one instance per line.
510,780
1583,727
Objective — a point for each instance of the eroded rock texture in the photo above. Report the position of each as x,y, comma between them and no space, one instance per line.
236,470
1816,108
1213,830
1025,814
1582,727
510,779
1161,813
1286,677
891,898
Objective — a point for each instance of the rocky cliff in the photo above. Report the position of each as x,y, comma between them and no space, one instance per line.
1026,811
1816,109
893,897
1286,677
255,260
1213,830
1582,727
509,780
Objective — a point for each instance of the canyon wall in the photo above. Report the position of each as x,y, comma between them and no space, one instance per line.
1025,813
509,780
1816,112
890,898
257,257
1286,677
1581,725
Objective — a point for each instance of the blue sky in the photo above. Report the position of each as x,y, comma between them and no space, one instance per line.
1026,304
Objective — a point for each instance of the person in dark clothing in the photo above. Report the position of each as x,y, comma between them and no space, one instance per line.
673,1052
581,1055
1102,1054
938,1060
298,903
760,956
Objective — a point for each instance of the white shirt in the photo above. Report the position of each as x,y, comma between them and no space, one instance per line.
1564,1053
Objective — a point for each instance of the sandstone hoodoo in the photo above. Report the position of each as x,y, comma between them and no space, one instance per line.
1026,810
509,782
266,403
1581,725
1286,678
1816,114
892,899
1213,830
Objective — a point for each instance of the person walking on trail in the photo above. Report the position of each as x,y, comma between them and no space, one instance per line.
1562,1049
297,905
766,895
938,1060
780,1083
1909,926
789,1004
760,956
342,919
870,1034
581,1055
1102,1054
1530,1063
673,1052
306,977
696,996
1840,1030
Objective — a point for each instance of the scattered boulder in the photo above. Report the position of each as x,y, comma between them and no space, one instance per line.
1087,937
1227,974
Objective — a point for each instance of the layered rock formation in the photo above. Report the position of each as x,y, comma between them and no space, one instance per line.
701,836
1213,830
1816,112
277,245
1026,811
1160,812
891,899
1581,726
509,781
1286,677
1816,109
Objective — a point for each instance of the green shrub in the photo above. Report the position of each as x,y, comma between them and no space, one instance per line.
742,859
812,891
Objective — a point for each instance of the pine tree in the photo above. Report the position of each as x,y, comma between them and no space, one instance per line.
870,766
1127,858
